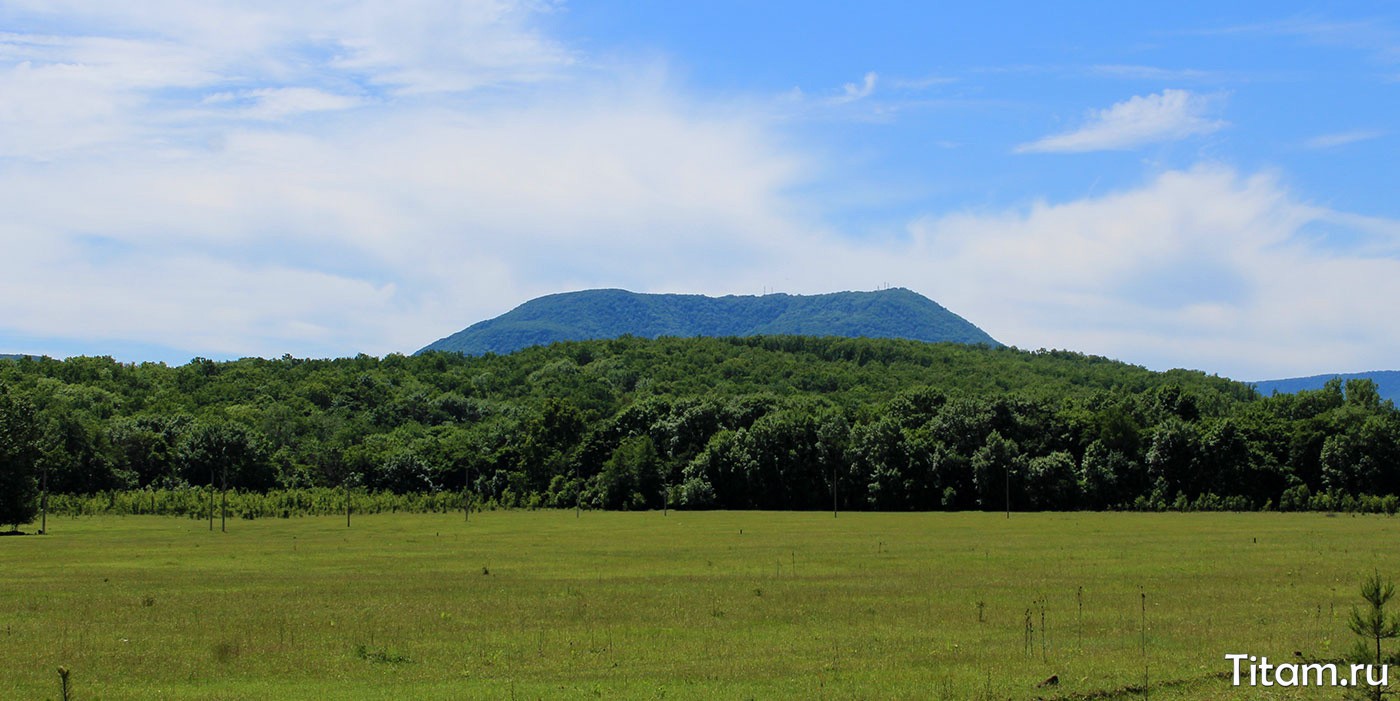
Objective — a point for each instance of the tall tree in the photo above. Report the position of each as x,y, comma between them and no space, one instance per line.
18,478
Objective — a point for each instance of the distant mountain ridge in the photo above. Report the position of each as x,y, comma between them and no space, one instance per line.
1387,382
611,313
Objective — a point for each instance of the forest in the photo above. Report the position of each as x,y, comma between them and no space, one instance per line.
773,422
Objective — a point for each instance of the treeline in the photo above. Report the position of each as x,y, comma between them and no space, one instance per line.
764,422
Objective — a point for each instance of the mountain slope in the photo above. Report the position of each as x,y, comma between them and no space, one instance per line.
1387,382
601,314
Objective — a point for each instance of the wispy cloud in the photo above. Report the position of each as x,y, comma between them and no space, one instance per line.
1379,37
1166,116
1156,73
924,83
854,102
850,92
1326,141
279,103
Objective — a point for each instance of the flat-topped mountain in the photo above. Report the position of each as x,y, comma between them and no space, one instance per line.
600,314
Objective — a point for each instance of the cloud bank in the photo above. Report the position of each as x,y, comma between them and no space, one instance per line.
225,180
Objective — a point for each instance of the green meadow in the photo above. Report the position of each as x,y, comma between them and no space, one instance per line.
685,605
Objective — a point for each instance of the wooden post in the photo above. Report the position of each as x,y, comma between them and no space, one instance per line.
223,503
1146,687
44,504
211,498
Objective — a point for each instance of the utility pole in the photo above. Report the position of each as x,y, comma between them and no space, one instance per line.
833,490
211,498
1008,490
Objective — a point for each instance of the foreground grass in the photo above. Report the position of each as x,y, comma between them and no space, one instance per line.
684,606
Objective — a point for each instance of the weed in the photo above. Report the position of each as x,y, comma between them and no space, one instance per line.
1028,638
381,656
1079,621
1044,631
226,651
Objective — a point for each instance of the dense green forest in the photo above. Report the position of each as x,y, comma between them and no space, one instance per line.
738,423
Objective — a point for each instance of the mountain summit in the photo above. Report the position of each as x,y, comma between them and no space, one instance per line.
596,314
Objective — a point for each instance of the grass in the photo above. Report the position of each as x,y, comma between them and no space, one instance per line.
729,605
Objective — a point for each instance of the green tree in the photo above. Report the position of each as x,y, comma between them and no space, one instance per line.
1174,457
18,476
1373,625
996,467
402,472
1051,482
1102,475
629,478
227,453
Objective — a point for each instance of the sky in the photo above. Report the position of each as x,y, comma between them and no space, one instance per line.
1200,185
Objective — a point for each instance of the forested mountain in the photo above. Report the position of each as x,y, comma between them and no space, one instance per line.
760,422
602,314
1387,383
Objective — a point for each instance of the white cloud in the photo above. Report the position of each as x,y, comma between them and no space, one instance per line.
1202,268
851,92
161,187
1166,116
1326,141
276,103
392,230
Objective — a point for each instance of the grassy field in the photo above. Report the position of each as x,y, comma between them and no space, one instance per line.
688,605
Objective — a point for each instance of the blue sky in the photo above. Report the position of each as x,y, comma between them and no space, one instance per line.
1200,185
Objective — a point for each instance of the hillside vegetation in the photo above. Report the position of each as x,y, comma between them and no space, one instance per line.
603,314
764,422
